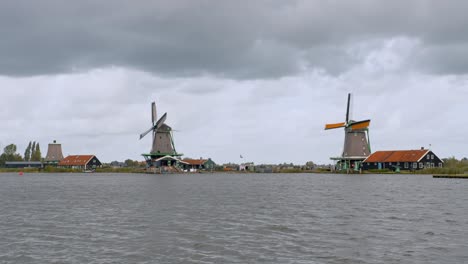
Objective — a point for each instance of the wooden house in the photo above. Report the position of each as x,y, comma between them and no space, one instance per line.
198,164
402,160
82,162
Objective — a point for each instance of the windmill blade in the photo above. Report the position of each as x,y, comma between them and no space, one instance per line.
160,122
347,108
154,115
360,124
146,133
156,126
336,125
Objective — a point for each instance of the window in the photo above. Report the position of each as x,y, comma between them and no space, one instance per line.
415,165
406,165
428,164
421,165
432,156
432,165
390,163
398,163
440,164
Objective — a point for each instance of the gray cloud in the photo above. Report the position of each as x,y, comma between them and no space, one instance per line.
259,78
261,39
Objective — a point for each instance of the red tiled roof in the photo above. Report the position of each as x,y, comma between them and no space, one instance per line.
195,161
75,160
397,156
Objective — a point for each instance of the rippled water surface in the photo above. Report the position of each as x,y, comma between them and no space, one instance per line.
232,218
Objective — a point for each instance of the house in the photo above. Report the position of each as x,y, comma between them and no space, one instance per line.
23,164
248,166
82,162
402,160
199,164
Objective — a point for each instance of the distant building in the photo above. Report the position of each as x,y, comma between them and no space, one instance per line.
23,164
54,154
248,166
199,164
264,168
402,160
83,162
117,164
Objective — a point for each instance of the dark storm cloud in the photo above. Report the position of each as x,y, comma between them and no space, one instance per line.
252,39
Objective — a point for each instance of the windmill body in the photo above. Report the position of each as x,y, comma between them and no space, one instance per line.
162,141
356,144
163,152
54,154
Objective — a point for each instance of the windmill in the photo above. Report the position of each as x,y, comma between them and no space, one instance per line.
54,154
356,144
163,142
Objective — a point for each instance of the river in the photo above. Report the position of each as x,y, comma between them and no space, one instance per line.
232,218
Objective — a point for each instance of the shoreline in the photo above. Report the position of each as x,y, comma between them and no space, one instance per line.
144,171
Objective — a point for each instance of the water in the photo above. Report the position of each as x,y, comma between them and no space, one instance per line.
232,218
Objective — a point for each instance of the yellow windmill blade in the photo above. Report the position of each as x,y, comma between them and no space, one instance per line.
336,125
360,125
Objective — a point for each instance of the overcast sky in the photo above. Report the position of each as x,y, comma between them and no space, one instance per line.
253,78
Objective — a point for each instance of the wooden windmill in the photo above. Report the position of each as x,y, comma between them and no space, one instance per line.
163,149
356,144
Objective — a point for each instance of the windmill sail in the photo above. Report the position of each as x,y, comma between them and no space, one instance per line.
347,108
154,115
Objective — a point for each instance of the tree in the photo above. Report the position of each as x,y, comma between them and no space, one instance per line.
27,152
131,163
36,154
33,149
10,149
9,154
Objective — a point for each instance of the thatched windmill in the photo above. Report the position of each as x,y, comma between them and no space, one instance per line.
356,145
163,150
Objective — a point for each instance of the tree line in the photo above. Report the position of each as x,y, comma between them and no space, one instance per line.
31,153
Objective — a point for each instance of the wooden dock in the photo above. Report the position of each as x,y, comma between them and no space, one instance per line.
452,176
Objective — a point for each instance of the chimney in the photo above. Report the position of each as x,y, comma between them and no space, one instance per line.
55,141
422,148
